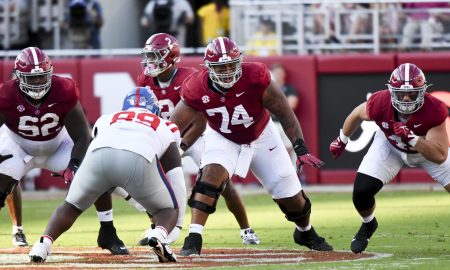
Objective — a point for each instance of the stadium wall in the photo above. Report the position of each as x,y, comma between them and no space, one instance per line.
329,87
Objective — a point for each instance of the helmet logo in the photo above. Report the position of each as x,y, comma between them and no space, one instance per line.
20,108
169,43
205,99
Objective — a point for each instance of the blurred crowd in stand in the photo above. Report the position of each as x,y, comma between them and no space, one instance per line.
402,26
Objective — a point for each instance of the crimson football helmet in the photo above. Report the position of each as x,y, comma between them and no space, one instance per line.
34,70
160,52
223,58
407,86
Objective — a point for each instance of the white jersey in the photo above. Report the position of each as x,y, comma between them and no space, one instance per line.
147,134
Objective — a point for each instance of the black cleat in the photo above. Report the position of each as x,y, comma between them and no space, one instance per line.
163,251
311,240
362,237
192,245
19,239
108,239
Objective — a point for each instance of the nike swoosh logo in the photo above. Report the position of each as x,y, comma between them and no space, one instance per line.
416,126
176,88
51,105
270,149
240,94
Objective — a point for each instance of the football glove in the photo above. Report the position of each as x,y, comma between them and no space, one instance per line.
69,172
5,157
407,135
304,157
338,145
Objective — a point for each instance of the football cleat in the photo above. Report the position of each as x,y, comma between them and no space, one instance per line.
311,240
163,251
146,234
19,239
249,237
362,237
192,245
40,251
108,239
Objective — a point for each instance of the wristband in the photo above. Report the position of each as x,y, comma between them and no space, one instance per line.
414,140
342,136
74,164
300,147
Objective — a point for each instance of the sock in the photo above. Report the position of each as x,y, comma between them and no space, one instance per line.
16,228
196,228
243,231
105,216
47,240
304,229
368,218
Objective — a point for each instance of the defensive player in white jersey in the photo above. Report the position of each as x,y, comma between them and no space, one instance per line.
115,159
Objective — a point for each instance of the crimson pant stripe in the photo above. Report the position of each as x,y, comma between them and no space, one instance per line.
167,183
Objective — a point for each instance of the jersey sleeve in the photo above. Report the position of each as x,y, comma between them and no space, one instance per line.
373,106
175,132
260,75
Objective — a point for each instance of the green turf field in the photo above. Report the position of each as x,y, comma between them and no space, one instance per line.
413,227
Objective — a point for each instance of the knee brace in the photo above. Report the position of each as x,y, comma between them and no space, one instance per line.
364,190
297,215
207,190
8,190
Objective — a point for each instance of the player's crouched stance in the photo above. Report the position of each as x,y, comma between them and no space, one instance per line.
236,99
145,170
412,132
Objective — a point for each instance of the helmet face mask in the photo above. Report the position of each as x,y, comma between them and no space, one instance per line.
161,51
34,71
407,86
141,97
223,59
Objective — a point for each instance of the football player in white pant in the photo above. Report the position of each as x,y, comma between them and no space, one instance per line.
412,133
133,149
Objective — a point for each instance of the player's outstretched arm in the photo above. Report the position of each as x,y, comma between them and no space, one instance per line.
434,146
183,116
193,132
351,123
275,101
78,129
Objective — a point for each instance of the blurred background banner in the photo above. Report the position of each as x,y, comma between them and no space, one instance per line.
328,87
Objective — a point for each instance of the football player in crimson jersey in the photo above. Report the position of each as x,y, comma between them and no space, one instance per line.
412,132
160,55
236,100
45,127
145,169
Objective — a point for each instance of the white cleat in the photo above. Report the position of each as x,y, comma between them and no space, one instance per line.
249,237
40,251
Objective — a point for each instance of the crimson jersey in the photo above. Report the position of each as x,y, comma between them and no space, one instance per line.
431,114
38,123
238,115
170,96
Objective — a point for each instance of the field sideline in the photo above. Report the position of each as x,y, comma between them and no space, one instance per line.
413,229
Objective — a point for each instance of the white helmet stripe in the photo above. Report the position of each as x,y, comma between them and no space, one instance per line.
35,58
222,45
407,74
